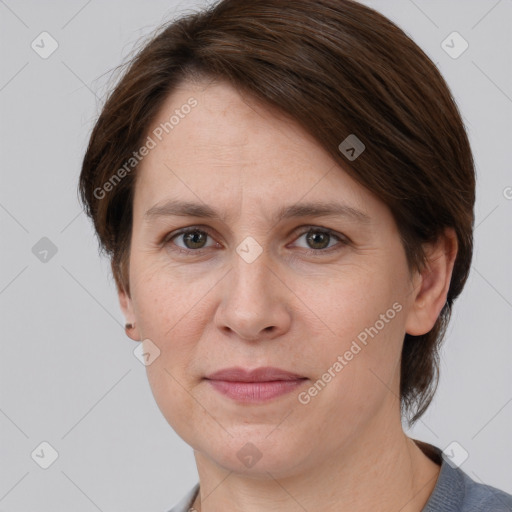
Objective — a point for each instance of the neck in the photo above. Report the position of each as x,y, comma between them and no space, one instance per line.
389,474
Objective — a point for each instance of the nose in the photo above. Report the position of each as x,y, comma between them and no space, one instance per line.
255,302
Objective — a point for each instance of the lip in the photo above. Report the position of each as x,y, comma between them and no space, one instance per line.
258,385
262,374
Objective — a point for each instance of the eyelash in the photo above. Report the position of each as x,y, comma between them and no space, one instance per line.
343,241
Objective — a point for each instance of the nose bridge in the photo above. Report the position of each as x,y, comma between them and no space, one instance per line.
252,273
253,303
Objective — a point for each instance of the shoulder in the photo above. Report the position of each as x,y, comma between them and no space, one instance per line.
484,498
455,491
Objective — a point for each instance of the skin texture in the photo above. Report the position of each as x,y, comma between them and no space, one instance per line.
345,449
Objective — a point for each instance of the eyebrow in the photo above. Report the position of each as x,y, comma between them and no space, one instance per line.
312,209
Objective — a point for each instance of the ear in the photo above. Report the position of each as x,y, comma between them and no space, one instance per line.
126,304
431,284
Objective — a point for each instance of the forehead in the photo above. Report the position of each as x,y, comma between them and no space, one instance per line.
214,146
224,125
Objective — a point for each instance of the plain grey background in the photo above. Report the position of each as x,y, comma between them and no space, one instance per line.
68,373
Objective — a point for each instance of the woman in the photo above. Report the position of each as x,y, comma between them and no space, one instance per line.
240,138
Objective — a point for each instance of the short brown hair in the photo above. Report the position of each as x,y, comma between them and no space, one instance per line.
338,68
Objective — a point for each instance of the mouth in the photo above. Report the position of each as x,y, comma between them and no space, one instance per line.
258,385
262,374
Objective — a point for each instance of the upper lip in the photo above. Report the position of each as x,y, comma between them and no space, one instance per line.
262,374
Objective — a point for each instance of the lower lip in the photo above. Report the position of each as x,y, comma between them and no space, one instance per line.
255,391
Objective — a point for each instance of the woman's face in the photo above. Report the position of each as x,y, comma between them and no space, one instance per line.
254,289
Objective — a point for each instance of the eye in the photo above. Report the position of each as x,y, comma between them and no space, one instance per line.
319,238
193,238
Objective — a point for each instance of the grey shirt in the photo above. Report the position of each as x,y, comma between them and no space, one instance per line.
454,491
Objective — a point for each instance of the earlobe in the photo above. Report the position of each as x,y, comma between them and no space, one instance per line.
431,292
126,304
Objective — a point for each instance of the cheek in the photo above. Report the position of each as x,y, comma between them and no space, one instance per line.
168,300
357,369
173,309
360,335
352,300
171,314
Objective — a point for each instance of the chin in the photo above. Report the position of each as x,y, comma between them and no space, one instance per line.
252,450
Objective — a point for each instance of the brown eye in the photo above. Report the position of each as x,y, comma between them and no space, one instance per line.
193,240
318,239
